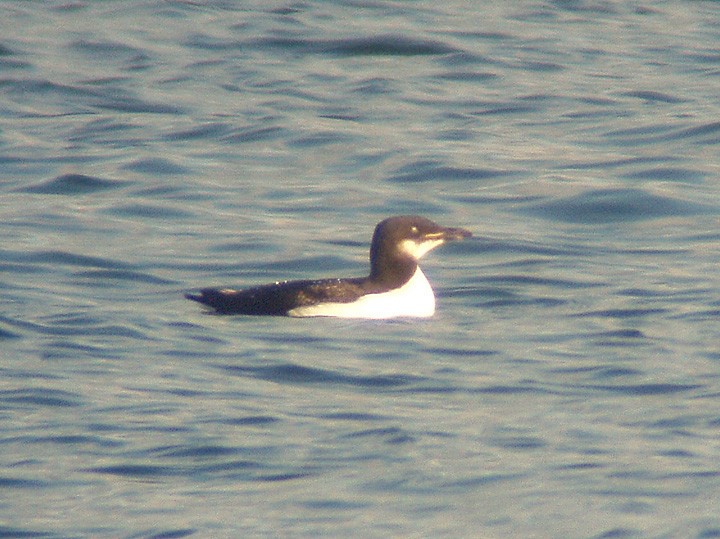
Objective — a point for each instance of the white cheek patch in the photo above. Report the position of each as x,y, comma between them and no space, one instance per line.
418,249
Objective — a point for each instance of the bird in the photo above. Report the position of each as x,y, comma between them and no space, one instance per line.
395,287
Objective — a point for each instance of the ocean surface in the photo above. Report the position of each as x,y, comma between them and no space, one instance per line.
569,384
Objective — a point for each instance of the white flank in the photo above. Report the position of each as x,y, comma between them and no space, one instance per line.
415,298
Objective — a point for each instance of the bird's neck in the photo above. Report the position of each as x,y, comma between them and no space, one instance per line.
392,272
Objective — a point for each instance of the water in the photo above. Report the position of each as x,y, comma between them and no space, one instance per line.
568,385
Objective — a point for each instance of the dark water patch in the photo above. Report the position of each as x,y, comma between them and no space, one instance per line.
644,293
156,165
211,43
354,416
106,132
512,389
675,174
64,258
600,373
66,439
620,313
297,374
20,533
202,132
6,334
40,396
480,480
73,184
505,110
460,352
610,340
6,51
618,533
466,76
40,87
641,390
334,505
62,349
168,534
591,8
621,334
148,211
703,314
375,86
516,301
579,466
642,131
281,477
250,421
614,205
320,138
614,163
543,67
523,443
104,48
653,97
455,135
134,105
711,128
247,135
391,435
57,327
13,63
122,275
387,45
525,280
194,452
175,192
708,133
148,471
430,171
19,483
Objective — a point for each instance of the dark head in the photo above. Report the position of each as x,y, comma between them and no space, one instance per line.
399,242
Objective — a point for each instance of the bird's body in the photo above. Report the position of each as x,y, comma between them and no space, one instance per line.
396,286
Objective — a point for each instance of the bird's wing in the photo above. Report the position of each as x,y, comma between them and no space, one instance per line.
277,299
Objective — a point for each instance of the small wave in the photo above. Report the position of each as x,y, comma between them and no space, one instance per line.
73,184
653,97
202,132
148,211
386,45
298,374
156,165
614,205
40,396
640,390
123,275
674,174
426,171
255,134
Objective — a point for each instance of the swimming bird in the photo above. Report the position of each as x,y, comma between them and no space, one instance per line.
396,287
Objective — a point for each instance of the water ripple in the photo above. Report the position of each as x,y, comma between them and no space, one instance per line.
614,205
297,374
387,45
73,184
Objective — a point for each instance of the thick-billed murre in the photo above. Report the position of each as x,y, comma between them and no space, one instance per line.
395,287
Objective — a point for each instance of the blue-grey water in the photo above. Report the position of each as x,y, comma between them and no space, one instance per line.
569,384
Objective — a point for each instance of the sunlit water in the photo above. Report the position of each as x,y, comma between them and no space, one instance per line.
569,384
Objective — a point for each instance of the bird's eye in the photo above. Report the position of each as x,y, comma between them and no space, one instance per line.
414,230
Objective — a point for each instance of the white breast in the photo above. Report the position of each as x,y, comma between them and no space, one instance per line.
415,298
